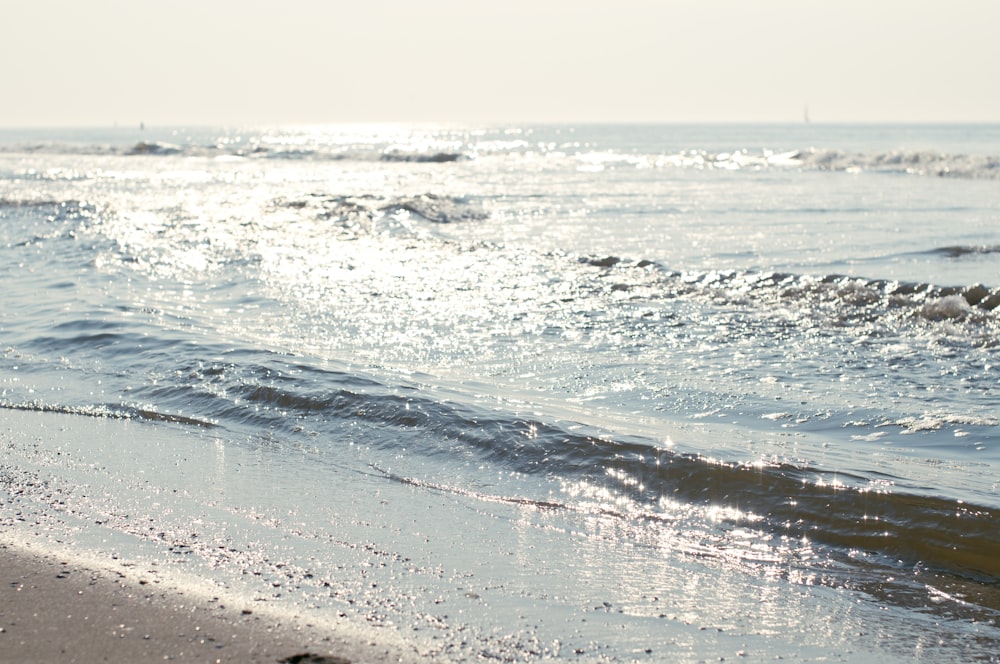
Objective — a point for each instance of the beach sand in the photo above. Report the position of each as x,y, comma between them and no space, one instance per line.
58,610
78,585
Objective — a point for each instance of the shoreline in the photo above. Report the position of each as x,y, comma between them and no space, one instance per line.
128,541
80,582
56,607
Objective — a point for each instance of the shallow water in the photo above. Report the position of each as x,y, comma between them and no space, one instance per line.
631,380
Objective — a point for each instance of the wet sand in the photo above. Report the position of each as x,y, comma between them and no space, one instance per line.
54,609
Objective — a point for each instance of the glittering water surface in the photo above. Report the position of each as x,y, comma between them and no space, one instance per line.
530,391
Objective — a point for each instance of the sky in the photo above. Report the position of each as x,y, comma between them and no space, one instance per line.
71,63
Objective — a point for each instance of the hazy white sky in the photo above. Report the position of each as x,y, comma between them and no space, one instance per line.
96,62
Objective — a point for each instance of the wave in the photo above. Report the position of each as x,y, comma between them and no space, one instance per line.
812,159
628,477
431,157
109,411
960,251
440,209
848,291
154,148
863,520
919,163
353,154
352,209
842,309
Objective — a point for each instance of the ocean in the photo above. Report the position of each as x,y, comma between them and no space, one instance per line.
603,393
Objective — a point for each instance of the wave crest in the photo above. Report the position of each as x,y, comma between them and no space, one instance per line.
918,163
961,251
914,163
154,148
435,208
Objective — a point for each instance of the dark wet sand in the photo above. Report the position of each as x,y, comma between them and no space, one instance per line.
52,610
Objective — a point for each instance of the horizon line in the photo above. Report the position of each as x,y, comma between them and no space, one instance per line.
142,125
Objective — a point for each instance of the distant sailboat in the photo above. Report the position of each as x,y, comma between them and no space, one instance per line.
805,114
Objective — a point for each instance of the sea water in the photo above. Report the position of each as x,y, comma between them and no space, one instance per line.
604,392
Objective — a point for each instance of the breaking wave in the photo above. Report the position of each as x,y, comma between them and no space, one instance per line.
352,209
914,163
154,148
919,163
859,293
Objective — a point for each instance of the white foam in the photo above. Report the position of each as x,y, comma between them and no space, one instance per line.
934,421
949,307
